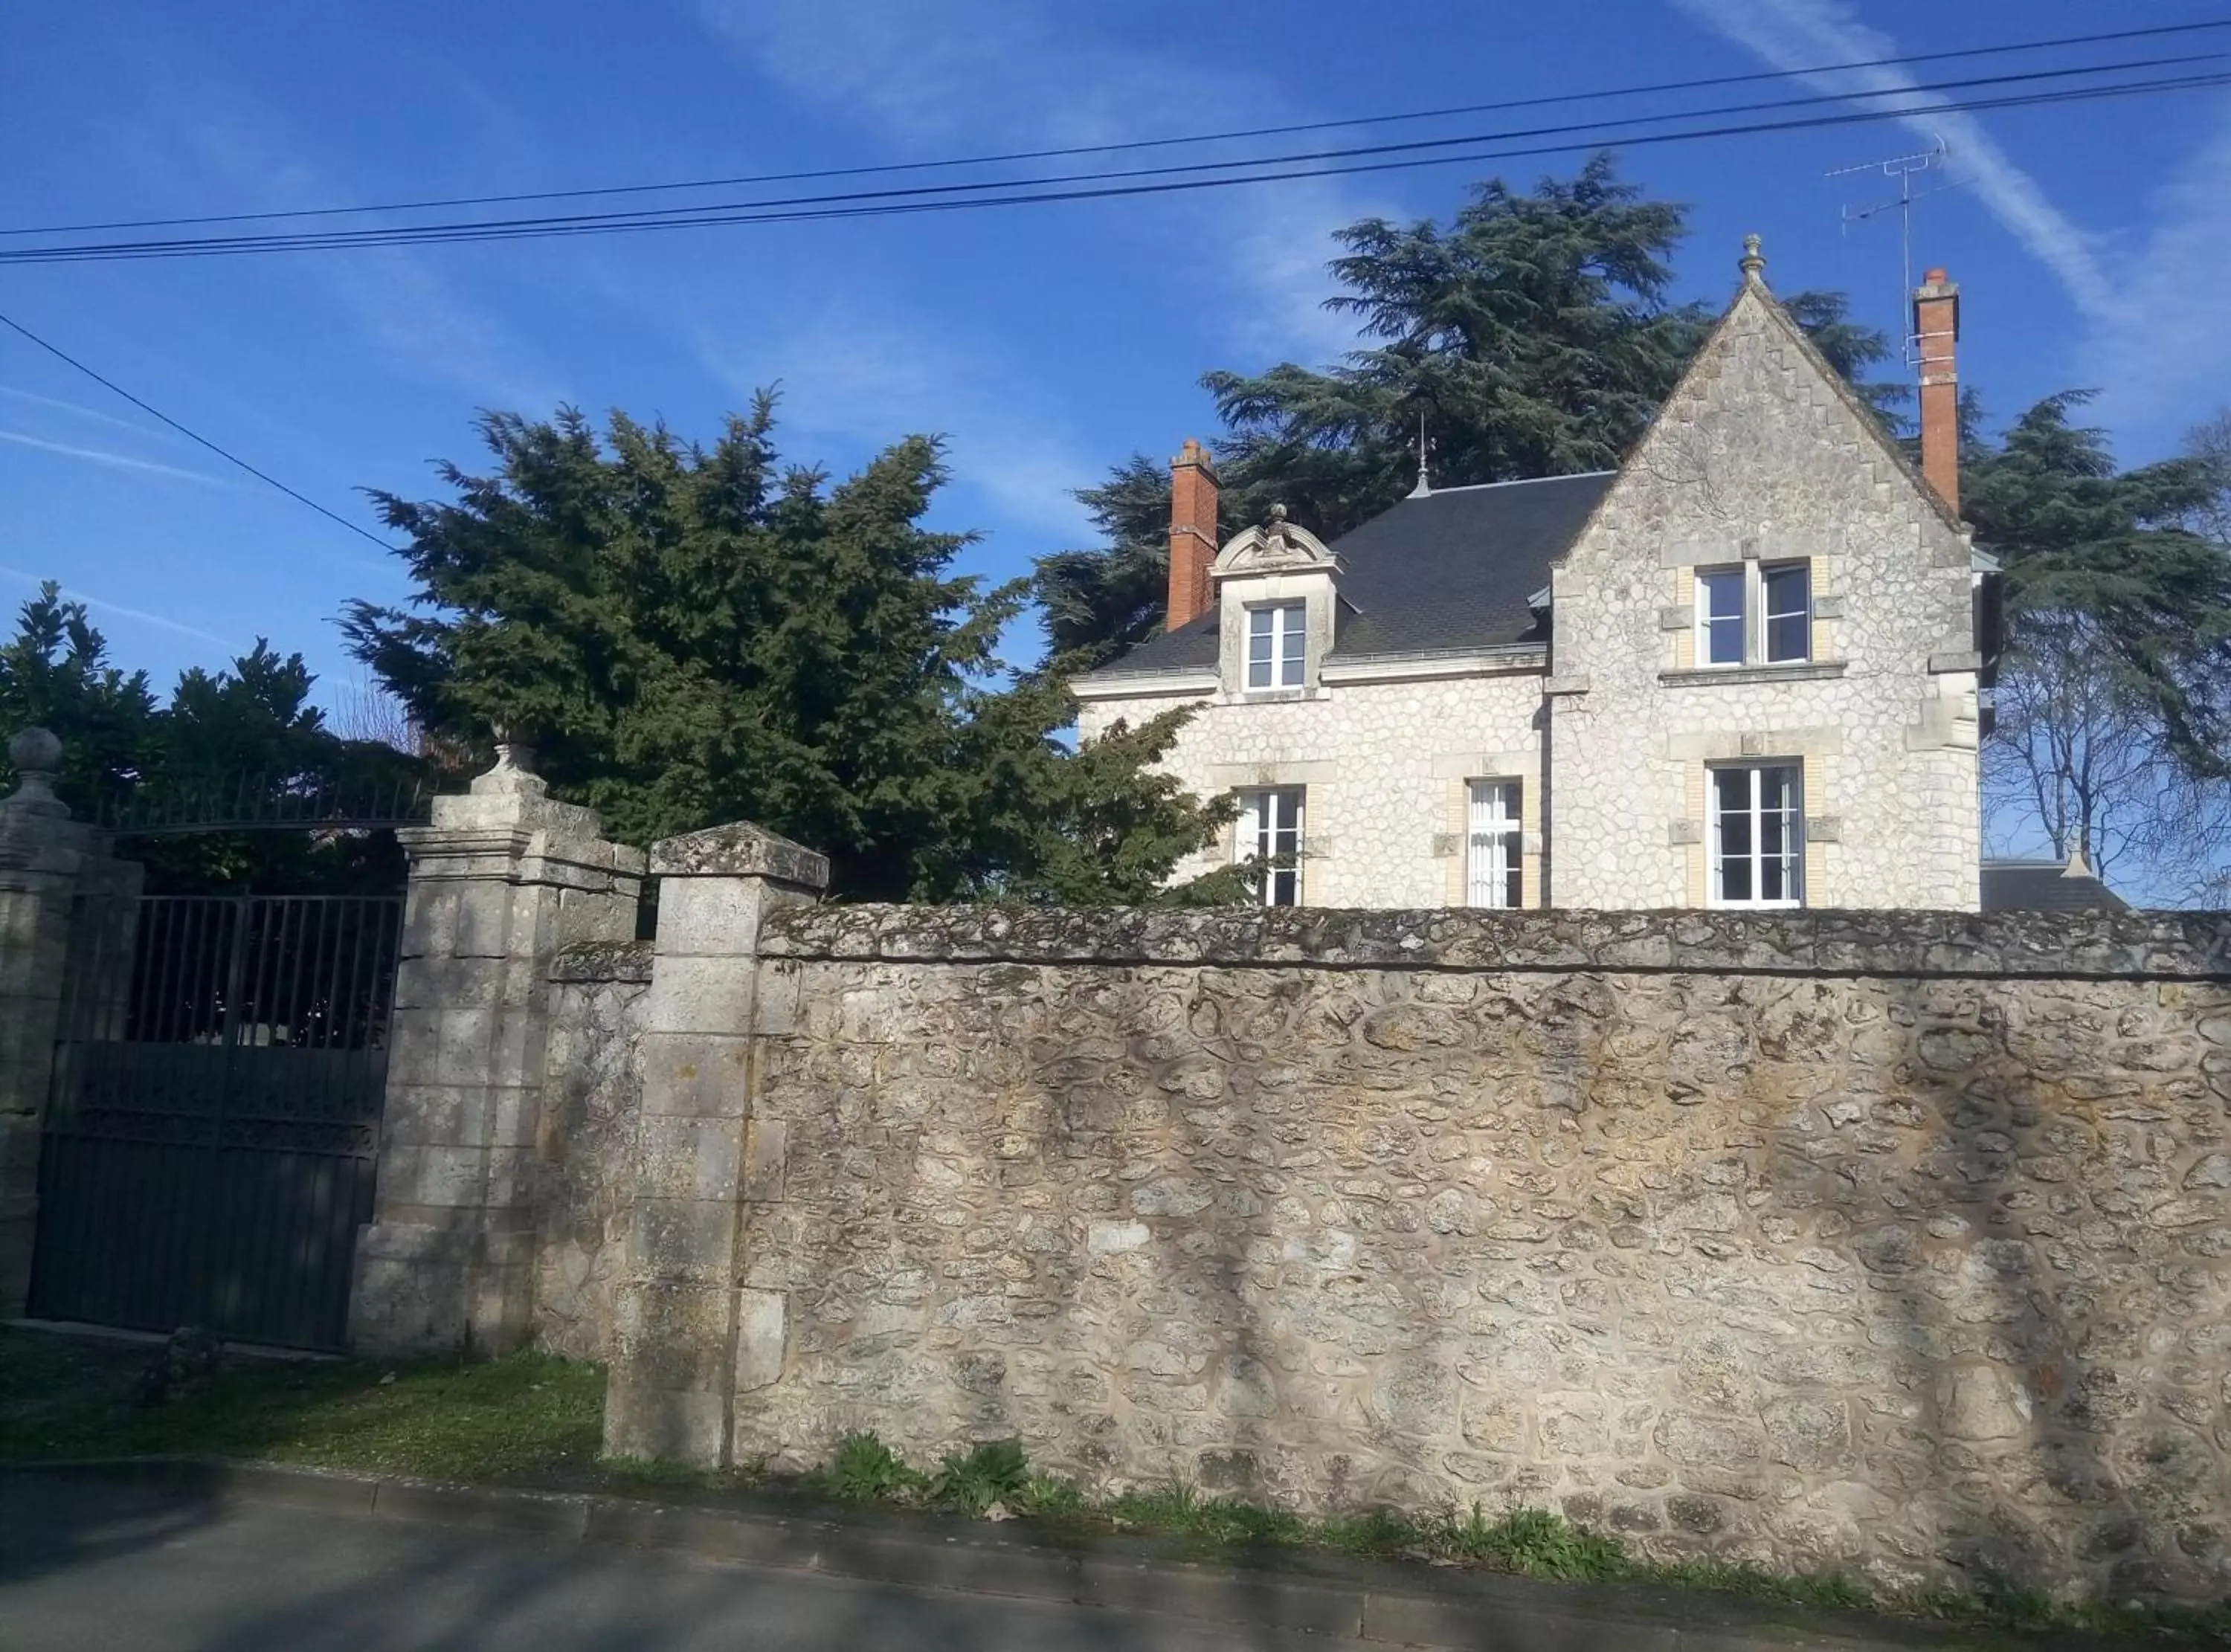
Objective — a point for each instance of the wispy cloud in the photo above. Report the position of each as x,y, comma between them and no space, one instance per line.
1798,33
201,133
78,411
935,77
120,461
861,376
420,322
2162,356
161,621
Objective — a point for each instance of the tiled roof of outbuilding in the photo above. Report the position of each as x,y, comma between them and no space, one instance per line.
2045,886
1449,570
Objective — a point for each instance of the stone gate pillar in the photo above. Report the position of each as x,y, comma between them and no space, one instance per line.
690,1335
500,881
61,892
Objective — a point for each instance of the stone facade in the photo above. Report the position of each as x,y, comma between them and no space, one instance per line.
1883,717
1761,456
1384,765
1899,1245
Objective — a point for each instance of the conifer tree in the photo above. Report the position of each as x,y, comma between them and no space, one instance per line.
241,744
694,635
55,674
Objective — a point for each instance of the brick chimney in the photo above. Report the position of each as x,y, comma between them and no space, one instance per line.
1193,534
1937,329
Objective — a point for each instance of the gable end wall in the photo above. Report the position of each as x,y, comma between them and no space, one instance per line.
1760,452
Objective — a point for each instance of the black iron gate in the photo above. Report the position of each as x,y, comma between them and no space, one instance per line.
213,1129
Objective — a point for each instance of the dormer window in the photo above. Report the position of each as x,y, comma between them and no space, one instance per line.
1755,613
1278,644
1276,588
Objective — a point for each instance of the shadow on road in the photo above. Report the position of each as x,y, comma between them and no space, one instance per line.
48,1526
126,1568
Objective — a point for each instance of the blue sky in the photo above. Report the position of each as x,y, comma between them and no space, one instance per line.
1044,343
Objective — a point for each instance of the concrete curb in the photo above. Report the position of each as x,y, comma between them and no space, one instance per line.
1355,1601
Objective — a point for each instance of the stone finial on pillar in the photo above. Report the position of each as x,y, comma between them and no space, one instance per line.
691,1334
1753,262
514,771
501,880
37,756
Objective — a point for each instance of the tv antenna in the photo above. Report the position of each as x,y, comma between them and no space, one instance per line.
1904,169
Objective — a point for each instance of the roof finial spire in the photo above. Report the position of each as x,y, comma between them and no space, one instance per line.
1423,448
1752,263
2078,867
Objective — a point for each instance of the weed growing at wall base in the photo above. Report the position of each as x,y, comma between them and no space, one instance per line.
995,1472
865,1469
1530,1542
1536,1542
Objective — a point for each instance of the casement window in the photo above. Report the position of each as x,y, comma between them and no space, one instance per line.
1755,613
1786,609
1278,643
1270,836
1720,593
1494,846
1757,834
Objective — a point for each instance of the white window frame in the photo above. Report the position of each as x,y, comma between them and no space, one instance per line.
1495,844
1754,857
1767,615
1755,620
1704,617
1272,823
1286,657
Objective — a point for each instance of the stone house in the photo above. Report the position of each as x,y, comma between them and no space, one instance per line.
1747,669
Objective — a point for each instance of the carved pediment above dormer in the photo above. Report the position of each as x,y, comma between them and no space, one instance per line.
1274,546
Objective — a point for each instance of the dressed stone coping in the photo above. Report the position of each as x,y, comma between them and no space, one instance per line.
590,961
2063,945
738,850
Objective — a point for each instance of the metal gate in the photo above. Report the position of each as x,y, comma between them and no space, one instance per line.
213,1129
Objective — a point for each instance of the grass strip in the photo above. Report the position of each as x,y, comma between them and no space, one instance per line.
531,1419
525,1417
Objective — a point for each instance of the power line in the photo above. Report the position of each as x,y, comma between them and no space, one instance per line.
927,199
649,215
192,436
1065,152
949,198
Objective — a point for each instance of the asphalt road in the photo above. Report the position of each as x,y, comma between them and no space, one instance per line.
85,1566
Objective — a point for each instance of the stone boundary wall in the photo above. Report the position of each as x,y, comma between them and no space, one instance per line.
1894,1241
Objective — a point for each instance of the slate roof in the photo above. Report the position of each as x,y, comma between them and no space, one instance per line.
2045,886
1451,570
